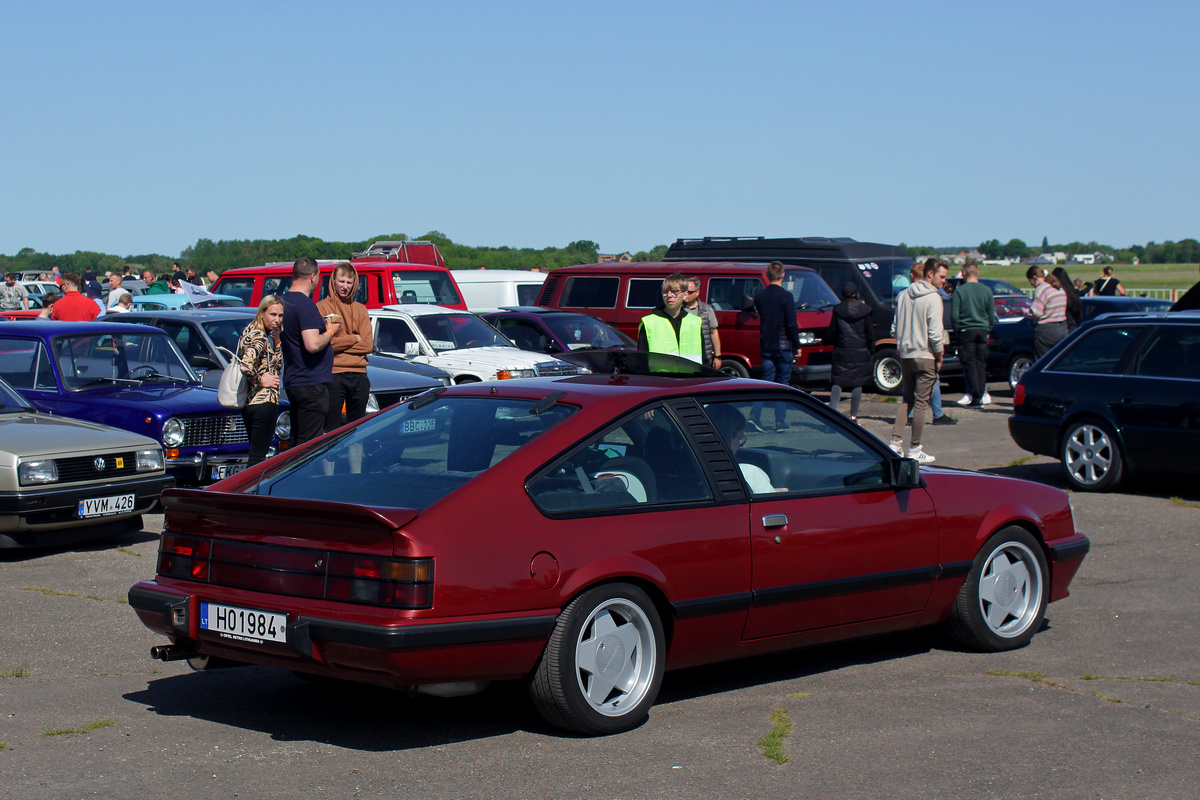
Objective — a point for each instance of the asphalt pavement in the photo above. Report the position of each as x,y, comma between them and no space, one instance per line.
1104,703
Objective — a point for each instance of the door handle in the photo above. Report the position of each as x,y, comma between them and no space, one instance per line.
775,521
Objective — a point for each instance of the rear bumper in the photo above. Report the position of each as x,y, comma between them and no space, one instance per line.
1035,435
403,652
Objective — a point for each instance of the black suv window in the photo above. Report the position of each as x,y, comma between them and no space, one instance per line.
1098,352
586,291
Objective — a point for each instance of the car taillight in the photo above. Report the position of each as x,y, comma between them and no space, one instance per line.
184,557
1019,395
397,583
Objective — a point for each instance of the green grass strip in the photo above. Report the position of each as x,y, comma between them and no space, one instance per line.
771,745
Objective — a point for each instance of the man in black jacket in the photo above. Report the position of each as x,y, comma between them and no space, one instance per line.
778,339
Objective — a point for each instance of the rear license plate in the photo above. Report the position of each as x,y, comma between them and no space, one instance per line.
223,471
243,624
104,506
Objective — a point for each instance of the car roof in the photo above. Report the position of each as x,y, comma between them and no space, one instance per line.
664,268
46,328
538,310
195,315
327,265
1161,316
418,309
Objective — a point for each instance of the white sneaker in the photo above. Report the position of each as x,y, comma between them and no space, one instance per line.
965,400
920,455
986,400
897,448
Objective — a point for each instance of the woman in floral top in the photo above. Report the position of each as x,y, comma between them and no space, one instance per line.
261,361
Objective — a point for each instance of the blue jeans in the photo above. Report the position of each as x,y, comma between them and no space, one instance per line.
776,368
935,399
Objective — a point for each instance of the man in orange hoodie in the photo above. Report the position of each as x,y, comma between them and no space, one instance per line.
350,347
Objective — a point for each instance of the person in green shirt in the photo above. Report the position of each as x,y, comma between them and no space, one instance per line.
973,314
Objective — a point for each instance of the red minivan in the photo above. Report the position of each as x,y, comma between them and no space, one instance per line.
381,282
621,294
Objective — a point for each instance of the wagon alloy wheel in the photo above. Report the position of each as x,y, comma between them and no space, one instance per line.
1016,368
1091,458
886,373
603,665
1003,601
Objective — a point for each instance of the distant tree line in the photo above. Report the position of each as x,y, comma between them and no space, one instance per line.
219,256
1186,251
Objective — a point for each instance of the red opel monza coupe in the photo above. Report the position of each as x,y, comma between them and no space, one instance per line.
586,533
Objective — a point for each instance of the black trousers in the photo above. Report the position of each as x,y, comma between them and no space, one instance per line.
260,428
310,407
353,388
972,354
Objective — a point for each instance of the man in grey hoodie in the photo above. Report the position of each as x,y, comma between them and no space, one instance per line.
919,344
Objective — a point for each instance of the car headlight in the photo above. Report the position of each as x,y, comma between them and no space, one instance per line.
372,403
808,337
34,472
149,460
172,432
283,426
506,374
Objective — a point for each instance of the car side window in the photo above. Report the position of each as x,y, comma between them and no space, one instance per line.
275,285
644,293
24,364
1097,352
393,335
585,291
725,294
238,287
525,335
643,461
794,449
1173,351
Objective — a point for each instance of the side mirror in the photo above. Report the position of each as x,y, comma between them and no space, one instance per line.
906,473
202,361
412,348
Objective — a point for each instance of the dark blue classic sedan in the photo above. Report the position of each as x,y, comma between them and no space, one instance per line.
131,377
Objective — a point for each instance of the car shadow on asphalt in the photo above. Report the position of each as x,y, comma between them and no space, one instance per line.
343,714
1179,489
377,719
793,665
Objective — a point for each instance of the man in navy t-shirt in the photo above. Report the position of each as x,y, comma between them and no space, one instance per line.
307,356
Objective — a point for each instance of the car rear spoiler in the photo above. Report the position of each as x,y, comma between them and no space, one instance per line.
197,511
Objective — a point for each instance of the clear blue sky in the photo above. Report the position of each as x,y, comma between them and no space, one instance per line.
138,127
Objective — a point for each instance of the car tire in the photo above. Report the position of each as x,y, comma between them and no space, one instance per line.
886,372
734,369
1003,601
1091,457
602,667
1017,366
459,381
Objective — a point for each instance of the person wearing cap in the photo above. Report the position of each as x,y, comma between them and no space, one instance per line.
853,348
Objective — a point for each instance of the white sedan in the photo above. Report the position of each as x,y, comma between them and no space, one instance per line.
457,341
